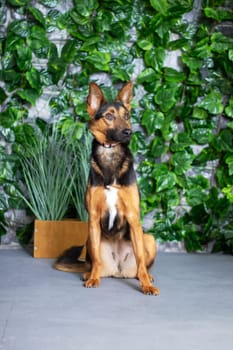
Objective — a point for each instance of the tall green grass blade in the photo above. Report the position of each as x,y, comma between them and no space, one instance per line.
48,169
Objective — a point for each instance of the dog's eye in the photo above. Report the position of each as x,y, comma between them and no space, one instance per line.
127,116
109,116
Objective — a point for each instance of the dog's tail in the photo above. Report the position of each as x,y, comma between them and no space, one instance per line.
70,261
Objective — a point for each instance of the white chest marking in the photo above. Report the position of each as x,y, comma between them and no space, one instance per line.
111,199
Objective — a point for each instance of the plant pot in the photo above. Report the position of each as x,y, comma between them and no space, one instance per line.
51,238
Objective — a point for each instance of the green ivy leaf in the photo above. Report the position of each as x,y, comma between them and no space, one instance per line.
49,3
37,14
122,74
198,180
202,48
228,191
56,67
51,20
89,43
157,147
223,141
199,113
69,51
28,95
145,44
180,142
24,134
18,2
169,128
191,239
155,58
99,60
178,44
181,161
148,75
3,95
65,21
33,77
85,8
229,108
24,58
70,127
12,41
230,54
192,63
152,120
137,142
195,196
160,5
229,162
7,119
165,181
212,103
207,154
20,28
212,13
172,75
11,77
165,97
230,125
158,169
172,197
220,43
38,42
202,135
11,116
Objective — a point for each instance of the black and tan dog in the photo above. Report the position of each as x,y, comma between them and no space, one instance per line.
116,244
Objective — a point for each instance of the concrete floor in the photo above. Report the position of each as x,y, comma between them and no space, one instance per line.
44,309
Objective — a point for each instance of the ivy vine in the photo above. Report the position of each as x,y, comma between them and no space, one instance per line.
182,115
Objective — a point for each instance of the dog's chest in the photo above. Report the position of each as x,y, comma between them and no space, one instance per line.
110,158
111,195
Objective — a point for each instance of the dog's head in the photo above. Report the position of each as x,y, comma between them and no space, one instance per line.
110,121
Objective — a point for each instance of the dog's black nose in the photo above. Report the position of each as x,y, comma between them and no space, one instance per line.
127,132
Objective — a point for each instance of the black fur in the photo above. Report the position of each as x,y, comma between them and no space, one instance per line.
118,227
122,136
70,255
105,106
116,167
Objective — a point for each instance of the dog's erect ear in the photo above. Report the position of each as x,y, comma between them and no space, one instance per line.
126,94
94,99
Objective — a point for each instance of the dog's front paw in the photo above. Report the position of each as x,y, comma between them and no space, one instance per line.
92,283
85,276
151,278
150,290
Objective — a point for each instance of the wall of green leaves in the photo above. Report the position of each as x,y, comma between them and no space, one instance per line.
182,113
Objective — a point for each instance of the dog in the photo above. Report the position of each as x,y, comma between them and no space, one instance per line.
116,244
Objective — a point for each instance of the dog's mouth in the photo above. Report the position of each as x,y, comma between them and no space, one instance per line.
122,136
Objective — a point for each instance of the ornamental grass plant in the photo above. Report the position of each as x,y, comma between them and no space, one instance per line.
48,172
82,151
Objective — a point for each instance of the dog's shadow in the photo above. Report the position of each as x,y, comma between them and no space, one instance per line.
131,282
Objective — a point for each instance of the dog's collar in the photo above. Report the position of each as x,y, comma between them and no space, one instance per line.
109,145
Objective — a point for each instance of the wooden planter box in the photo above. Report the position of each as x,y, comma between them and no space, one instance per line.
51,238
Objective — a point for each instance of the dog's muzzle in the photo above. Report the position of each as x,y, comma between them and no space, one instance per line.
127,132
116,135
